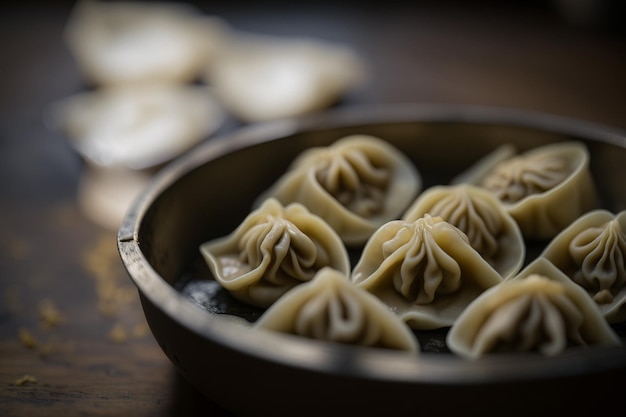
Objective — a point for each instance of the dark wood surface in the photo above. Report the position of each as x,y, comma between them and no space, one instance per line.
69,315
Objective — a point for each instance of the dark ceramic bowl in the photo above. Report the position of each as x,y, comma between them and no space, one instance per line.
208,192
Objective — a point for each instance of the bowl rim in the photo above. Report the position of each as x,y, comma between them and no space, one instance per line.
351,361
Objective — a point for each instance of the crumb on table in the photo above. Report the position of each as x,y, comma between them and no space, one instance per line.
25,379
27,338
50,315
118,334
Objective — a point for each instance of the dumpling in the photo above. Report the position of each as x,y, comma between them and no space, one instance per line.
264,77
491,230
274,249
331,308
544,189
592,252
539,310
426,271
356,184
138,126
128,42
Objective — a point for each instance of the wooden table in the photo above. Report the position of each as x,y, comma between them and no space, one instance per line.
73,340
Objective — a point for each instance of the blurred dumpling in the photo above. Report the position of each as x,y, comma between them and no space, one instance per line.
331,308
592,252
491,230
544,189
274,249
426,271
356,184
131,41
137,126
539,310
263,77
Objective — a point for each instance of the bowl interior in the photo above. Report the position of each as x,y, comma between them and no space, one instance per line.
211,199
209,192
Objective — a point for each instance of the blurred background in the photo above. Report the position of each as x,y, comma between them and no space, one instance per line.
72,336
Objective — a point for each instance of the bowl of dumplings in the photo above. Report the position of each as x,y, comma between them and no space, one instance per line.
391,259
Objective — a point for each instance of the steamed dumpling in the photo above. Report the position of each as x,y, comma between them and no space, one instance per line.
592,252
274,249
356,184
539,310
331,308
138,126
426,271
491,230
129,42
544,189
264,77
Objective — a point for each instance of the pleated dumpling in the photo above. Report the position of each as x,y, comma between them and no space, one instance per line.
539,310
544,189
491,230
592,252
274,249
356,184
426,271
331,308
